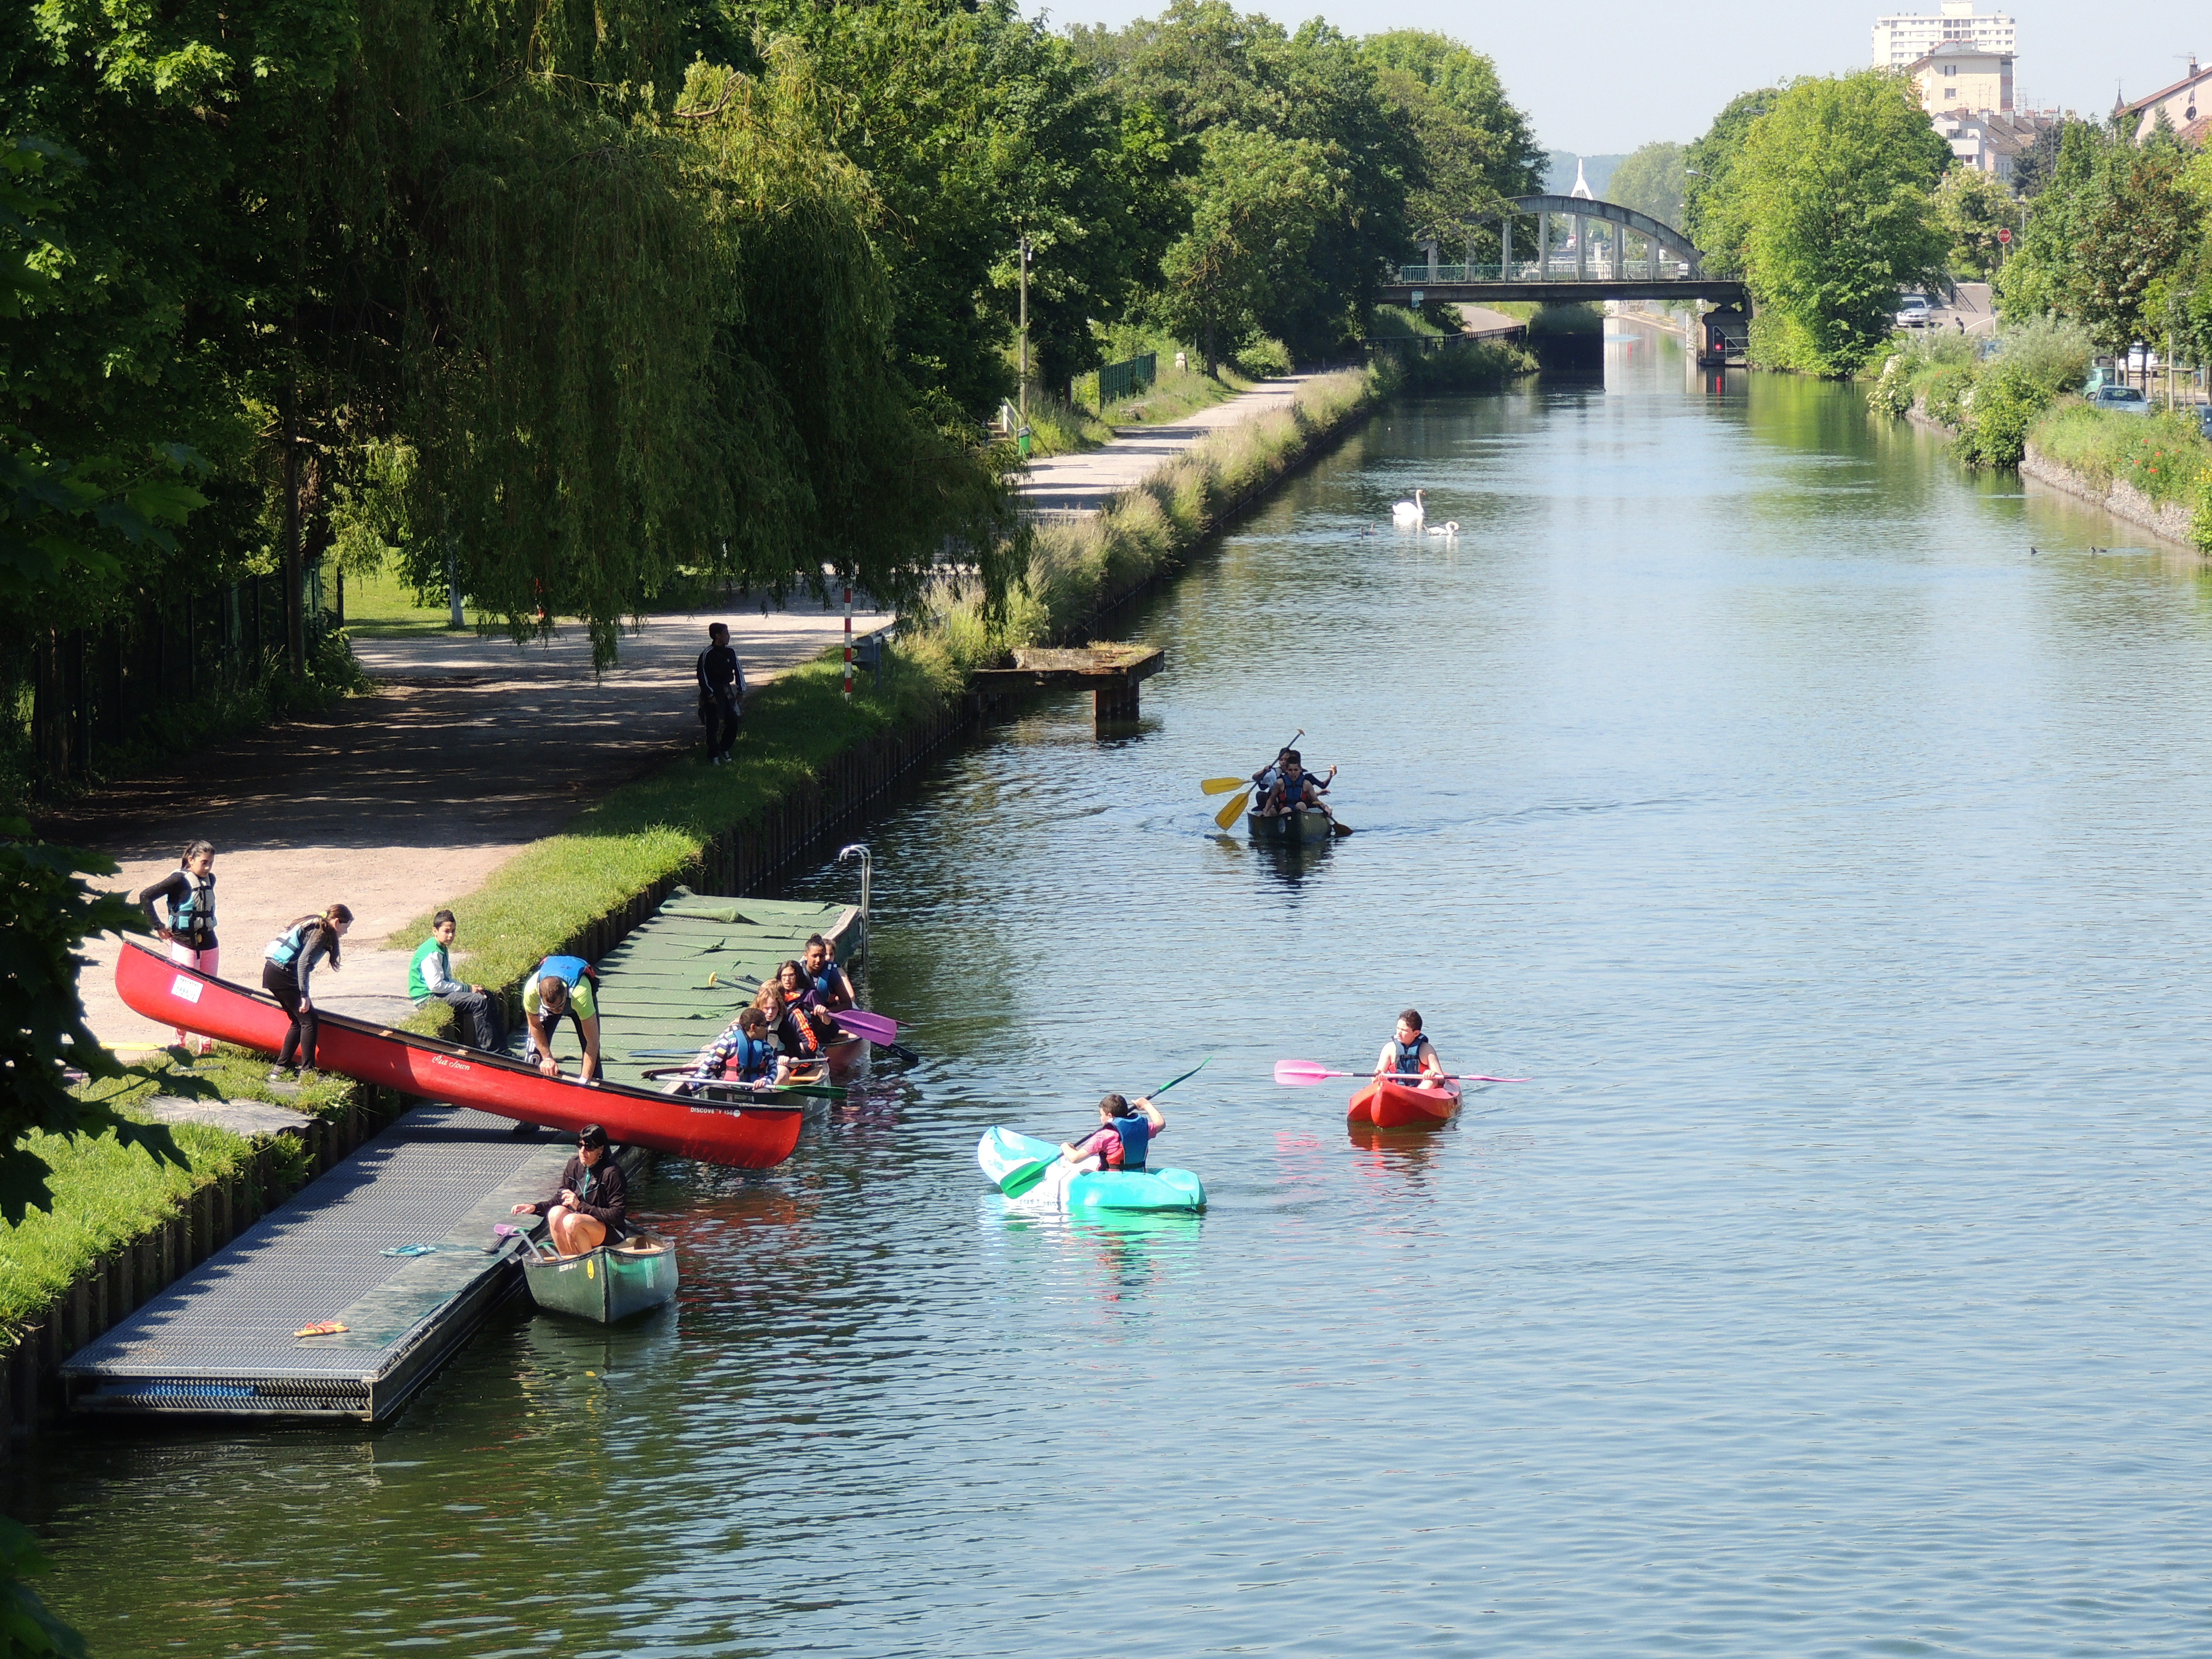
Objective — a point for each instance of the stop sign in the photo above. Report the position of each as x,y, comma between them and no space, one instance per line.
2004,235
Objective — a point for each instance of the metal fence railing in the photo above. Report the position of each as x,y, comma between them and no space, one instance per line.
69,692
1126,380
1560,267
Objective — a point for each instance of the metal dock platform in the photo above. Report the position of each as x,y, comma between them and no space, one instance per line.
219,1340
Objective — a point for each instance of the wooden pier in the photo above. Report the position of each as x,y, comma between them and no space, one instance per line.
1111,673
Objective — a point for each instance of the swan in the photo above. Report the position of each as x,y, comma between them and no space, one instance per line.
1448,527
1411,511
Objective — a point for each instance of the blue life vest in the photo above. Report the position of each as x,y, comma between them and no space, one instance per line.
1136,1134
284,949
754,1057
194,916
1409,1058
822,981
567,969
1294,789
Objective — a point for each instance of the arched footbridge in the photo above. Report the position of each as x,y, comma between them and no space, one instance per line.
1637,257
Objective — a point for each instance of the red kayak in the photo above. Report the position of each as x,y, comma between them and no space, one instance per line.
1401,1106
754,1136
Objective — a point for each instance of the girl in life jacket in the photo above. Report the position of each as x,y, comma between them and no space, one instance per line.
1409,1054
799,992
790,1027
743,1054
285,969
187,893
832,990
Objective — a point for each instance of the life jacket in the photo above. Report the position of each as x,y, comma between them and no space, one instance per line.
284,950
567,969
822,981
752,1059
1136,1134
193,916
800,1041
1409,1058
1294,789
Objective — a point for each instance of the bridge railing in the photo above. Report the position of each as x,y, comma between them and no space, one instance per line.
1559,267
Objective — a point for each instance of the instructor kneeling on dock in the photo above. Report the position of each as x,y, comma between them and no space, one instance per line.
592,1206
561,987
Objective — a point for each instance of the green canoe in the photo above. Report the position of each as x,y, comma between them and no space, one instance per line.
605,1285
1303,825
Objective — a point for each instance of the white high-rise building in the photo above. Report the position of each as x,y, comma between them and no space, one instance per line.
1910,36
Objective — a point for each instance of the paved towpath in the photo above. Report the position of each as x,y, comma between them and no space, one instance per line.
395,803
1084,483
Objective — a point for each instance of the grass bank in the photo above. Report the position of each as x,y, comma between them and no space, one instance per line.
2162,456
107,1194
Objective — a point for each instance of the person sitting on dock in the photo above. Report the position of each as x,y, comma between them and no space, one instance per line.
1410,1055
430,979
592,1207
561,987
832,990
743,1054
1124,1132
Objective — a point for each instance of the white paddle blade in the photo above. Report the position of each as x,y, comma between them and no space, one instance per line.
1301,1073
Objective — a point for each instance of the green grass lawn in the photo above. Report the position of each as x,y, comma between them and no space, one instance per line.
381,606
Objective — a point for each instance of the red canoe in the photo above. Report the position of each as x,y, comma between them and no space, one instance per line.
749,1137
1400,1106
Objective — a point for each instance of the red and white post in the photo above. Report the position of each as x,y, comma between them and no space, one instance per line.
849,641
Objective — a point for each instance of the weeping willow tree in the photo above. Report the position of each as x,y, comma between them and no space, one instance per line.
645,330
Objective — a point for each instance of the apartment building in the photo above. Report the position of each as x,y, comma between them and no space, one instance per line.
2187,104
1957,77
1901,40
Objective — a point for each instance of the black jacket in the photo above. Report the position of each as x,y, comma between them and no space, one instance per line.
607,1202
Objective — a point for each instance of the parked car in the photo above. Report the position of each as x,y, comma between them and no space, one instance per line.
2204,419
1912,312
2123,400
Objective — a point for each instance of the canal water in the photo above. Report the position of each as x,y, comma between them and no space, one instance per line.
1827,835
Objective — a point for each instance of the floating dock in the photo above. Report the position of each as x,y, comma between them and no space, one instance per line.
220,1340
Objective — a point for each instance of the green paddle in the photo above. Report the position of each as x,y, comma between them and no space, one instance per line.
1028,1174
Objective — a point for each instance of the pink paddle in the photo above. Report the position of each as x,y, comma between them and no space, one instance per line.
1302,1073
879,1029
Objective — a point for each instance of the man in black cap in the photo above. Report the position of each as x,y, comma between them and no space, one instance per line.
592,1206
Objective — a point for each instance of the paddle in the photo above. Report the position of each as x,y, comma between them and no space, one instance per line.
1019,1181
1302,1073
879,1029
1223,785
1229,813
812,1090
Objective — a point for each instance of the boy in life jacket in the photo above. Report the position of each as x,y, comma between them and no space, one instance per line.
1124,1135
1411,1056
188,929
743,1054
1295,788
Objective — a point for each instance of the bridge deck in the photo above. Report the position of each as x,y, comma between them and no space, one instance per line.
1566,291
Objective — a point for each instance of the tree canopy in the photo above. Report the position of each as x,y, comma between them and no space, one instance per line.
1651,182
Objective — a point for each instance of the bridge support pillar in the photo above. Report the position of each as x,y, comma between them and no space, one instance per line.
1581,249
1505,249
1543,245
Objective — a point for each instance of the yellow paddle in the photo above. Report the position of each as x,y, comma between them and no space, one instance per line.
1229,814
1223,785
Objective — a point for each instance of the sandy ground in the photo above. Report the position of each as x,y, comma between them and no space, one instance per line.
395,803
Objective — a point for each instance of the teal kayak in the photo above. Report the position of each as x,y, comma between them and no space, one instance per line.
1013,1161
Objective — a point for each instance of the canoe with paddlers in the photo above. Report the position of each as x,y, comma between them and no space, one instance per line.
752,1135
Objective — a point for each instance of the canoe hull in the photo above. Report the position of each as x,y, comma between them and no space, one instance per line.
605,1285
1397,1106
1288,828
1002,1153
747,1137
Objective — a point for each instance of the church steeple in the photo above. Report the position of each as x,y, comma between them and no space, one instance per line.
1582,191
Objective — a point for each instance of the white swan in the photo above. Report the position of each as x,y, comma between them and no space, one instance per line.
1448,527
1411,511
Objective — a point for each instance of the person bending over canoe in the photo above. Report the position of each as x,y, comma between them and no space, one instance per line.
1411,1053
743,1054
592,1207
832,990
1124,1134
561,989
286,966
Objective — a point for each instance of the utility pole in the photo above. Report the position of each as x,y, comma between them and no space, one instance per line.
1026,330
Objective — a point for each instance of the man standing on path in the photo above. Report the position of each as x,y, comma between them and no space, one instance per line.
721,693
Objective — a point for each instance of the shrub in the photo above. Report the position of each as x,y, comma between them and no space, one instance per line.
1263,359
2006,399
2052,352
